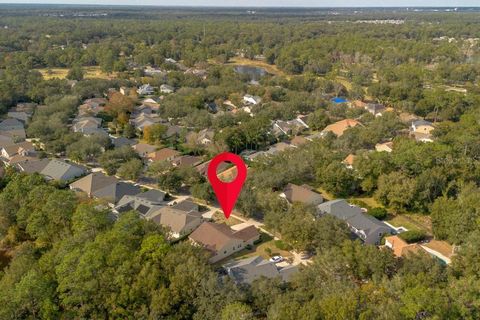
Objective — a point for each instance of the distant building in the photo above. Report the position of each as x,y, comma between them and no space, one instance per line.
366,227
294,193
250,99
165,88
339,127
253,268
384,147
221,241
145,90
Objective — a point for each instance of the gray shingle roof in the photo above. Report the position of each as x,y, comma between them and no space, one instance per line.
249,269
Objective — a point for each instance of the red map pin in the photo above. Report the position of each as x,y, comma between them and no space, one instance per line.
227,192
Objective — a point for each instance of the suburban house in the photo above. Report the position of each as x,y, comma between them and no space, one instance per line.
87,125
21,116
60,170
13,128
177,220
349,160
5,141
144,120
151,71
165,88
400,247
222,241
165,154
11,124
249,99
290,127
186,161
119,142
204,136
375,108
101,186
421,130
32,166
203,167
384,147
339,127
23,149
297,141
145,203
145,90
367,228
143,149
96,103
294,193
253,268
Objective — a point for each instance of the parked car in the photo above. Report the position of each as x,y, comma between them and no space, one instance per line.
276,259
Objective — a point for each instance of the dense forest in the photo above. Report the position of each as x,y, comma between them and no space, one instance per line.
62,256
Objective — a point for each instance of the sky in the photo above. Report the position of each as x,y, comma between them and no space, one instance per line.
269,3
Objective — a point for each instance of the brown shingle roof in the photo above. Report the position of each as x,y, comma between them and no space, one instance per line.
163,154
341,126
215,236
294,193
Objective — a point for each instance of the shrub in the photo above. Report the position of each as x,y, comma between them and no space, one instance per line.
412,236
379,213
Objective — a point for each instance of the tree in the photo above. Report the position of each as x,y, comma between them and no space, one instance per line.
75,73
237,311
155,133
131,169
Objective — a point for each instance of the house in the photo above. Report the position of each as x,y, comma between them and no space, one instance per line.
180,222
250,99
145,90
221,241
294,193
349,160
96,103
172,131
32,166
87,125
186,161
5,141
204,136
101,186
358,104
384,147
150,71
375,108
367,228
422,126
62,171
440,250
339,127
203,168
298,141
278,147
421,130
11,125
21,116
121,142
253,268
400,247
145,120
165,154
22,148
143,149
165,88
146,203
290,127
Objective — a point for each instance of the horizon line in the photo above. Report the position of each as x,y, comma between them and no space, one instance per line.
231,6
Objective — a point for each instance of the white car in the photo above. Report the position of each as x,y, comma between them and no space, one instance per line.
276,259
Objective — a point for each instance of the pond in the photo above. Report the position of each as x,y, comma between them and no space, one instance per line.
254,73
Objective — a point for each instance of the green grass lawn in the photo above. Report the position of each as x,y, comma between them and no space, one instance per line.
411,222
